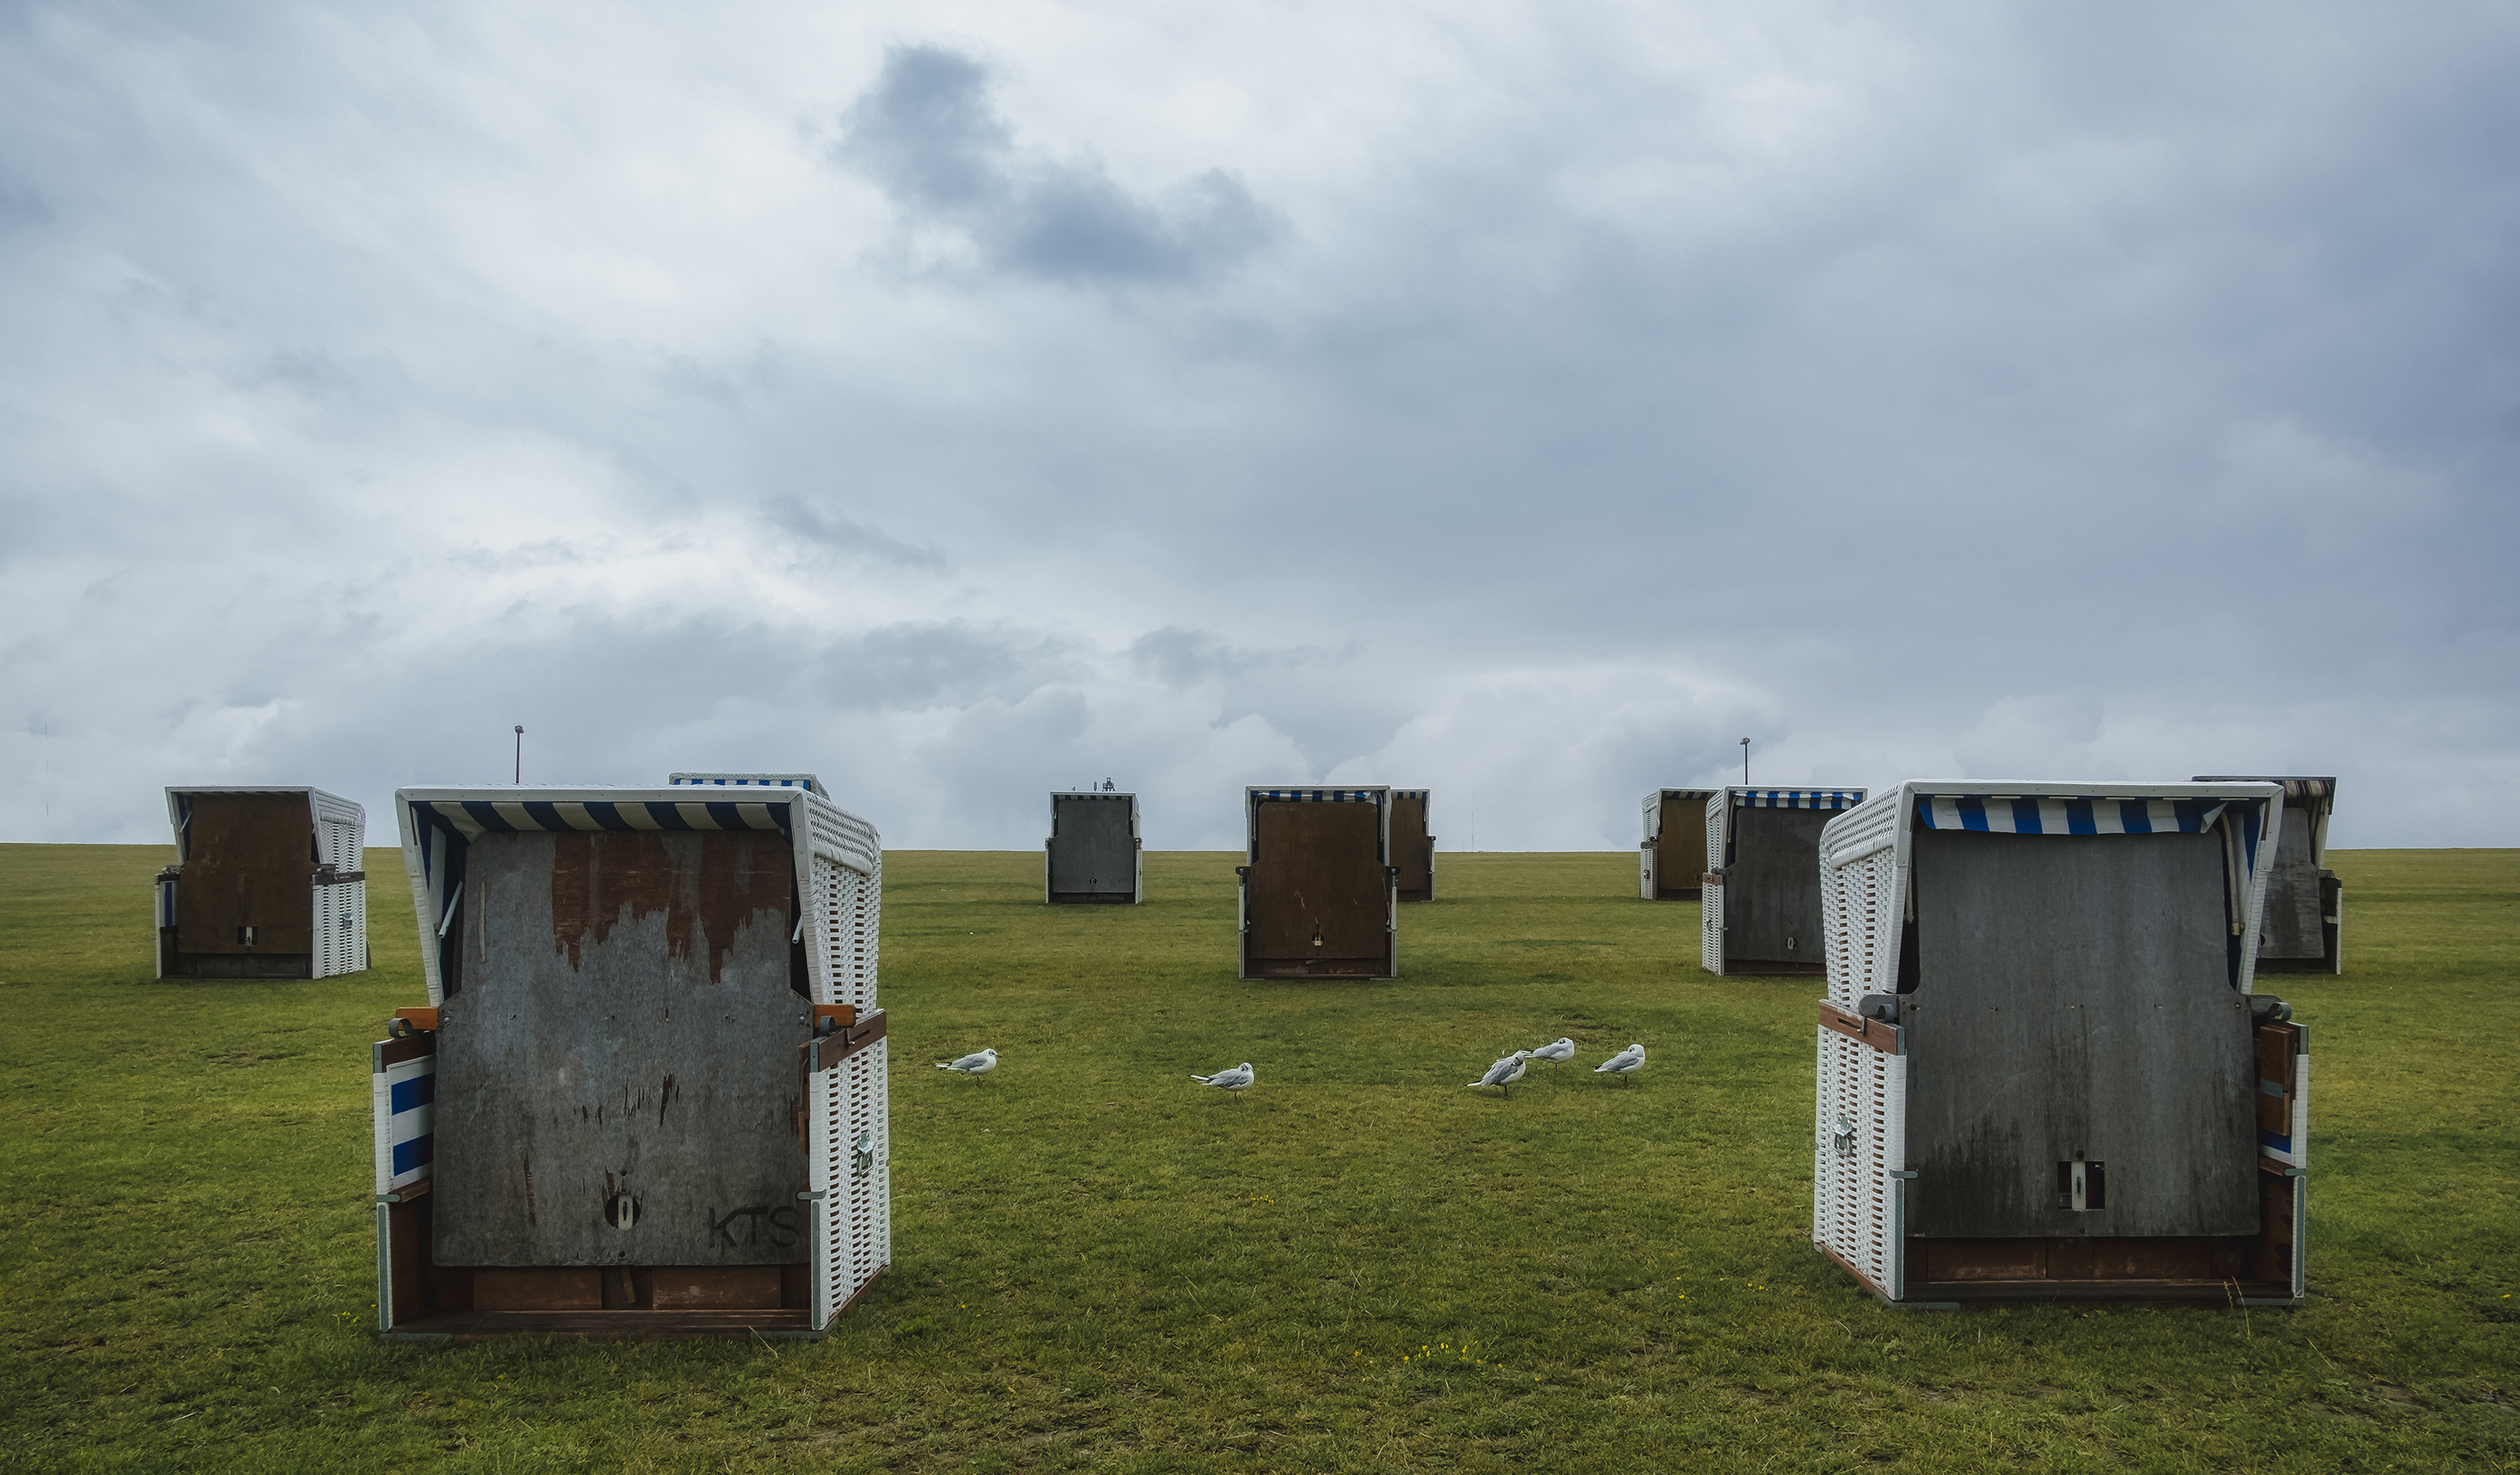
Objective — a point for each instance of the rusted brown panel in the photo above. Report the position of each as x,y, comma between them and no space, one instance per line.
2168,1259
636,1326
618,1082
406,1259
537,1287
717,1287
1680,849
2277,1042
2063,1260
408,1048
1412,849
2271,1257
250,859
1979,1259
1319,899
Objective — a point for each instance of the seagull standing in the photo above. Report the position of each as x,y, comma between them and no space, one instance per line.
1623,1064
972,1066
1237,1080
1504,1073
1560,1049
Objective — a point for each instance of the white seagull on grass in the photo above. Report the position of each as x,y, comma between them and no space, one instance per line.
1560,1049
1237,1080
973,1065
1623,1064
1504,1072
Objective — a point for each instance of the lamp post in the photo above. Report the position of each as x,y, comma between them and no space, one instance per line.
1745,761
520,755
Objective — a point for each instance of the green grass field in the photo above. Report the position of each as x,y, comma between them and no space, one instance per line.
1360,1266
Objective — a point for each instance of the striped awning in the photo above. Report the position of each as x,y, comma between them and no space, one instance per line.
806,782
474,818
1798,798
1999,815
1325,795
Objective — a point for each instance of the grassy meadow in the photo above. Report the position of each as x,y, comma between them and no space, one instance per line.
1359,1265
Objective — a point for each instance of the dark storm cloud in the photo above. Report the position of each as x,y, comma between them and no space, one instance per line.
930,135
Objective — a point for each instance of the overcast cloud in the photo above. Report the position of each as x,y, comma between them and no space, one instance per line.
1523,400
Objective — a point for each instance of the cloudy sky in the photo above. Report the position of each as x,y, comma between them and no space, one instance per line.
1528,400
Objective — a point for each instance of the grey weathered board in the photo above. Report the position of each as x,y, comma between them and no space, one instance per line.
1771,885
626,1028
1090,849
2293,919
2073,996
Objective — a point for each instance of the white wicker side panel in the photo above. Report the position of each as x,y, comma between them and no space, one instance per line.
852,1173
849,904
1859,904
1862,901
1711,904
1860,1146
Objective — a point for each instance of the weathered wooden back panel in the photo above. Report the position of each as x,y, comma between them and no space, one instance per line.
2073,997
1680,849
2294,918
1093,855
1318,897
1412,849
626,1036
1771,885
250,859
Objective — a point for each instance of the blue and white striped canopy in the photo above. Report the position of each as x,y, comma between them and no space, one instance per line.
806,781
1992,815
1798,798
1352,795
474,818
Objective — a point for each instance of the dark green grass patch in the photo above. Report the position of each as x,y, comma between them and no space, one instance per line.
1359,1265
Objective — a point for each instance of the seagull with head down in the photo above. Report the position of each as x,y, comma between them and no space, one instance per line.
1504,1073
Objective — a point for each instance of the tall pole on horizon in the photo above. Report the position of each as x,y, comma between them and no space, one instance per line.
520,755
1745,761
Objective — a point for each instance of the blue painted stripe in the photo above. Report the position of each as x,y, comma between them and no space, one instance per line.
416,1093
606,813
2025,818
2281,1141
546,814
668,816
2135,817
485,814
2079,818
1972,811
416,1153
728,816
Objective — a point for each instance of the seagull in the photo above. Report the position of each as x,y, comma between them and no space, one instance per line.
1562,1049
1623,1064
1504,1072
973,1065
1237,1080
